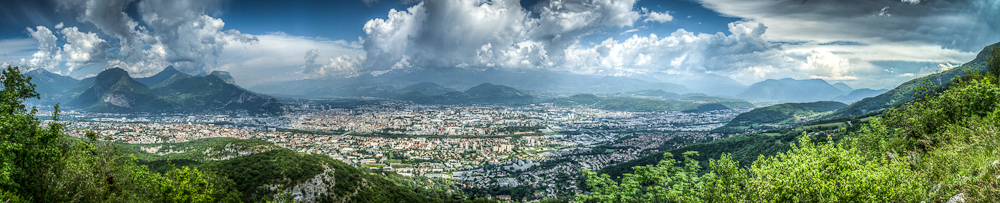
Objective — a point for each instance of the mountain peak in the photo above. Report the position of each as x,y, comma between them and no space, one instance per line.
225,76
111,73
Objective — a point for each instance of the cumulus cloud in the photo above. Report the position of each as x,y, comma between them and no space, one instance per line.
683,52
830,66
173,33
280,57
477,34
473,33
83,49
49,54
657,17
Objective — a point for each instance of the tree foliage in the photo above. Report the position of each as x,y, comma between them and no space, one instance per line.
927,150
38,163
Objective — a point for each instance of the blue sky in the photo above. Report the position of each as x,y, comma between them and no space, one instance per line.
864,43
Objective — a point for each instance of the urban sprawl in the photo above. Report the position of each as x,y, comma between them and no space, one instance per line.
542,147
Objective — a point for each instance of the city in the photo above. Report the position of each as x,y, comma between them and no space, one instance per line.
541,147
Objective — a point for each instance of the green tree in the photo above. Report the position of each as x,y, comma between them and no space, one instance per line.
662,182
27,151
41,164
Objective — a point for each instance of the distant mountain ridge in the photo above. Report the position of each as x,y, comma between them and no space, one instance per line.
692,103
858,95
114,91
485,93
388,84
52,88
779,116
790,90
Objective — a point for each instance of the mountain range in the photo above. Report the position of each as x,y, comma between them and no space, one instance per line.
791,90
526,80
169,91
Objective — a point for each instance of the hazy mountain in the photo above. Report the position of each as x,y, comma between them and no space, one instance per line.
486,92
843,87
904,92
710,84
790,90
426,88
617,103
52,88
166,76
529,80
114,91
859,94
649,94
213,94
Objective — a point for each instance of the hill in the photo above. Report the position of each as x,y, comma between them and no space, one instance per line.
905,92
858,95
779,116
426,88
790,90
259,169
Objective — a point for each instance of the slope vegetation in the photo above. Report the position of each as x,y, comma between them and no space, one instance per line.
260,171
939,147
779,116
905,92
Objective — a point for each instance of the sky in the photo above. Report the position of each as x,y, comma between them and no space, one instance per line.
863,43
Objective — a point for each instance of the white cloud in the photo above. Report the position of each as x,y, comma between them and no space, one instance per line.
279,57
49,55
472,33
884,12
911,1
946,66
15,49
934,32
309,66
180,34
658,17
827,66
83,48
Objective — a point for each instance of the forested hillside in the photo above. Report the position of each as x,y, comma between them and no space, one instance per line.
937,148
778,116
906,91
